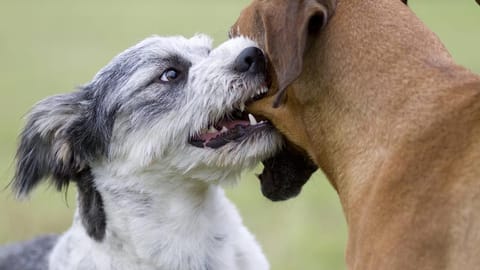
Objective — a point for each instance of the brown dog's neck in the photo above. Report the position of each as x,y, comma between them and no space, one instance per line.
395,131
388,116
373,111
410,182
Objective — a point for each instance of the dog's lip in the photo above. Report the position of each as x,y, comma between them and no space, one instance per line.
236,130
236,126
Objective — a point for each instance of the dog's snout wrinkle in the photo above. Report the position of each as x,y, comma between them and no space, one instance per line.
250,59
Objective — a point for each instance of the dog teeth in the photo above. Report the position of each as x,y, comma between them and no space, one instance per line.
212,129
242,107
224,129
259,92
252,119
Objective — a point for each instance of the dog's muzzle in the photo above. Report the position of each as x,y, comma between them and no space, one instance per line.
238,125
251,60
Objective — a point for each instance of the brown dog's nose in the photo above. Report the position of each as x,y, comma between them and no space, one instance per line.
250,59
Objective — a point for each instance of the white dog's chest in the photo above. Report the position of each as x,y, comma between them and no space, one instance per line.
184,238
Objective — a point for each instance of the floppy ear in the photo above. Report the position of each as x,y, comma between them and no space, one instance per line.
287,27
47,147
61,137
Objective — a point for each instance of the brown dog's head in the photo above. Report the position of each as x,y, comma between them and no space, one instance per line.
284,29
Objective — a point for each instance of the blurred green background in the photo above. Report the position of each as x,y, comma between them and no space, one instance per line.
51,46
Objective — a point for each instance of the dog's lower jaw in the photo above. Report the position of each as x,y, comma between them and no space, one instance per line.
185,225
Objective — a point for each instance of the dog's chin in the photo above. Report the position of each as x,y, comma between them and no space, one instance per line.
222,157
231,132
236,126
224,165
242,147
233,139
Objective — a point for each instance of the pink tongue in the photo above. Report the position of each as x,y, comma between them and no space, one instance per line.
228,124
208,136
232,124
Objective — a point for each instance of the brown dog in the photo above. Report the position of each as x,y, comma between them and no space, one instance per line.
378,103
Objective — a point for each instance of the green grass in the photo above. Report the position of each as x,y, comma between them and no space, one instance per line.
51,46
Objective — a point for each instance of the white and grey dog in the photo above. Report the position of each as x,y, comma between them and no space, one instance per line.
147,142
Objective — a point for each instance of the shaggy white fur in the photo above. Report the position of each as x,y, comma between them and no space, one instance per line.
148,198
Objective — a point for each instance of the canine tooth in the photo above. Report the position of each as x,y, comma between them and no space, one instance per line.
212,129
242,107
252,119
224,129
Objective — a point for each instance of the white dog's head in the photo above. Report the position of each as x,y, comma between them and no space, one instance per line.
185,105
169,106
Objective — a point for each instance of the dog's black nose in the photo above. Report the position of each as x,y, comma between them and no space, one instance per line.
250,59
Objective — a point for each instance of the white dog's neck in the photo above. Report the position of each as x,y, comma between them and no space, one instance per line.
160,224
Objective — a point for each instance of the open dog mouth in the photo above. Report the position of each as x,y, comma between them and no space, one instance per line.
235,126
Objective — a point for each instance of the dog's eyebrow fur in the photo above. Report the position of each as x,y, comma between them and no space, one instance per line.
163,63
175,60
119,71
151,98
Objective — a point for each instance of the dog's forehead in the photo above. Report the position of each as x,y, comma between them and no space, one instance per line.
148,55
155,50
232,47
158,47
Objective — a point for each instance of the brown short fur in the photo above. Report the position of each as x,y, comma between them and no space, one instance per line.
378,103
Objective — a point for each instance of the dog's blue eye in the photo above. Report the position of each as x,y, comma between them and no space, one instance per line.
169,75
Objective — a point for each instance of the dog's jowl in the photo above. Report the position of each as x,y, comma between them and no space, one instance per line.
148,142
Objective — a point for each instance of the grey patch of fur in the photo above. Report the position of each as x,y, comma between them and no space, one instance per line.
66,133
29,255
